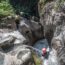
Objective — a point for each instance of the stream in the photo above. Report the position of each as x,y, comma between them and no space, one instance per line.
51,58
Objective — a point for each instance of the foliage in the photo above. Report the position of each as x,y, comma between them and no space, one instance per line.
26,6
5,8
9,7
58,3
37,59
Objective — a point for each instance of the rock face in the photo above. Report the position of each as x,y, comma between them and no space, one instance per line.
8,22
10,39
12,49
58,43
47,21
2,56
14,36
17,56
53,21
31,30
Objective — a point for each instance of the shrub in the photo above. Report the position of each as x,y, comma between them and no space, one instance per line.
5,8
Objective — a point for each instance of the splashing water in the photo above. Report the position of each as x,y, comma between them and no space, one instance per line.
51,59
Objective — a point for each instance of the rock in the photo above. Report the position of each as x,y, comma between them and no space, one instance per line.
7,43
8,22
37,29
46,19
51,19
30,29
18,56
9,39
58,43
13,50
2,57
20,39
36,19
24,28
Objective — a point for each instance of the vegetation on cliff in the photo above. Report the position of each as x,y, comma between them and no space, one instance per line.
29,7
5,8
26,6
10,7
37,59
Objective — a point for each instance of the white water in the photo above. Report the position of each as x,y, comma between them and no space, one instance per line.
52,58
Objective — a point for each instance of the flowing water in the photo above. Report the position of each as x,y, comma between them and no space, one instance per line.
51,58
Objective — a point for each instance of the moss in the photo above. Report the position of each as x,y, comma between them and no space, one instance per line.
37,59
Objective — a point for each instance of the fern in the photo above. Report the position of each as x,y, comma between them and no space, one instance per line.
5,8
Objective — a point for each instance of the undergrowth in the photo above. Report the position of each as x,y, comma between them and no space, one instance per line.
5,8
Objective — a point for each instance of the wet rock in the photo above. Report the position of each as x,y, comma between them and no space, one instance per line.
46,19
37,29
51,19
30,29
11,46
8,23
7,43
10,39
2,57
52,59
58,43
18,56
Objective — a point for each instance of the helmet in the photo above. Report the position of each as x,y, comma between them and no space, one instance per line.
44,50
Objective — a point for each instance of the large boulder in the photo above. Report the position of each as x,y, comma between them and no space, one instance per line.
17,56
51,18
2,57
30,29
58,43
9,39
46,19
8,23
12,49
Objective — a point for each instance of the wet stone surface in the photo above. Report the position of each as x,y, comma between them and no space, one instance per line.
1,59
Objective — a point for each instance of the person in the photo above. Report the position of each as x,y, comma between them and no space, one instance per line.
45,56
44,51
